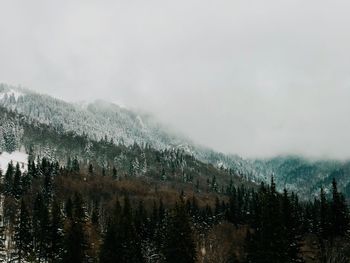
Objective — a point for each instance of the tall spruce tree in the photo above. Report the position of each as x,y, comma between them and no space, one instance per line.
23,234
339,215
17,183
8,180
291,224
75,241
112,246
179,244
56,233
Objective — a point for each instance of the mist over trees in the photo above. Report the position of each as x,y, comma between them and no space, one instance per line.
78,199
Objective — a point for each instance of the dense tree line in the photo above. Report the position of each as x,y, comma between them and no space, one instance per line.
42,224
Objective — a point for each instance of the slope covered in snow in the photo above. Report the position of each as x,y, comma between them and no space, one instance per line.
15,157
97,120
101,120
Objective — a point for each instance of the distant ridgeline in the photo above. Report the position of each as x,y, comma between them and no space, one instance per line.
89,130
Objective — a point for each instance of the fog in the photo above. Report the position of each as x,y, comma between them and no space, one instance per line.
255,78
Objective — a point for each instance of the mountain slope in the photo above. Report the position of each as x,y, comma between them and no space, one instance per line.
99,120
103,121
21,133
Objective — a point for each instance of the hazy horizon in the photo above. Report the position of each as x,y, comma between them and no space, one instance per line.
252,78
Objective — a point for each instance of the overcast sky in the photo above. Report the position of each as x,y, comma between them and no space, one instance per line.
256,78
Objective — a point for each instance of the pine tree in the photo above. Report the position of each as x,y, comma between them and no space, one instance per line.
291,224
56,233
48,181
112,243
17,184
163,174
23,234
131,252
340,218
8,180
75,240
75,165
114,173
179,244
95,215
268,243
10,141
91,170
214,185
31,156
41,227
324,230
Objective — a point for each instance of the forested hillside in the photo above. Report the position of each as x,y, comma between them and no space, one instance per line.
40,140
82,200
67,214
99,120
103,121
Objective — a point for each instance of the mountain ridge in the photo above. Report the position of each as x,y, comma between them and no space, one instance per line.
105,120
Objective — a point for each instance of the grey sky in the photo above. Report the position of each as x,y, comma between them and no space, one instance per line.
252,77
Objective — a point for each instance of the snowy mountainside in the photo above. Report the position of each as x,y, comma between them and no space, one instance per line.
305,176
97,119
124,126
68,148
100,119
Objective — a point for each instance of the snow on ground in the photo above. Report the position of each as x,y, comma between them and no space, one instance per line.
15,157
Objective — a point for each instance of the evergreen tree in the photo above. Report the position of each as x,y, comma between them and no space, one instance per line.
48,181
56,233
41,227
121,242
23,234
8,180
179,244
340,218
112,243
291,231
268,243
10,141
91,170
324,230
75,165
17,184
75,241
114,173
95,216
131,251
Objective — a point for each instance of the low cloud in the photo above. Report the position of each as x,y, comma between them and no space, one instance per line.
248,77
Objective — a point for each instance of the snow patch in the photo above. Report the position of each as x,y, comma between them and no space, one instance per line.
15,157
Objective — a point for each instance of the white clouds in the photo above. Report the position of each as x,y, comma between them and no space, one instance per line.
252,77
